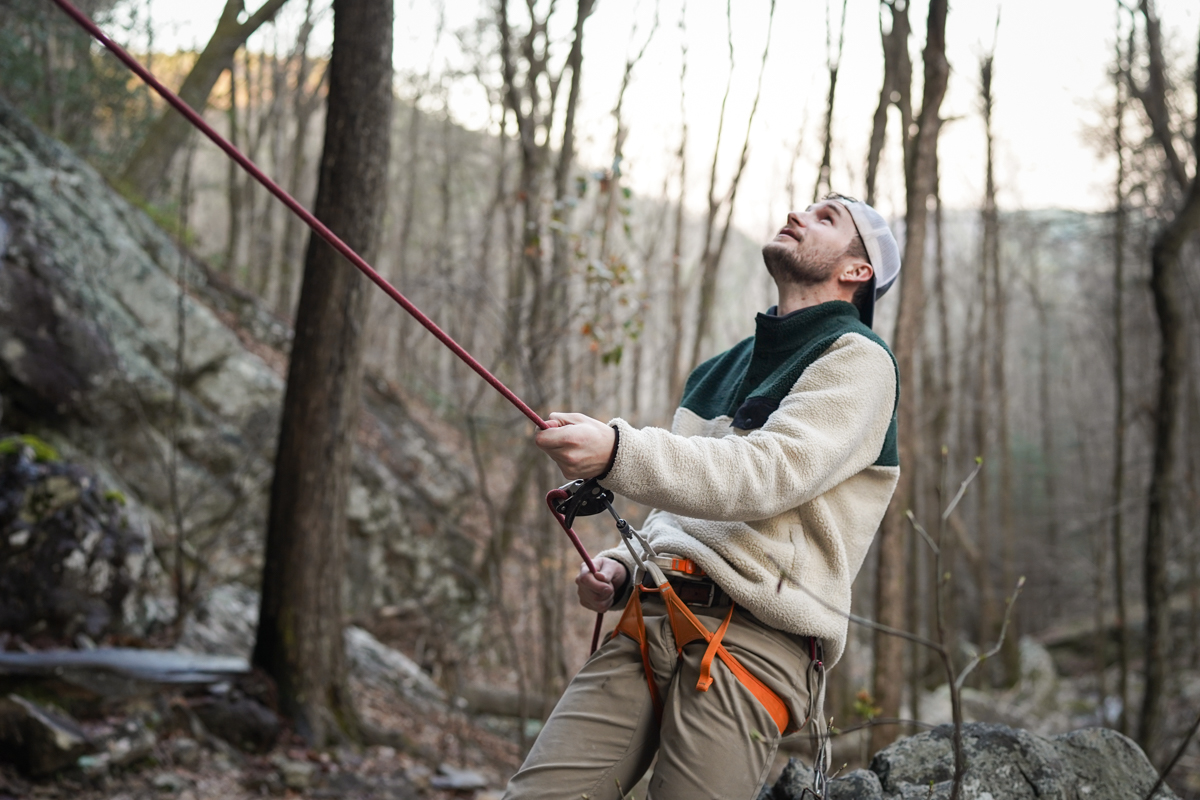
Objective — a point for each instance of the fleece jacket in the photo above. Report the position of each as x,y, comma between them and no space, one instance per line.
778,467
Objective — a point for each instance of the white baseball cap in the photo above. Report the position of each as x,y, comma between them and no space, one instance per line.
882,250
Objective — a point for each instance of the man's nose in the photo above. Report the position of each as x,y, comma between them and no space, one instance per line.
798,218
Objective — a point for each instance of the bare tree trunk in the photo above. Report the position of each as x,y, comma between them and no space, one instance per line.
675,374
146,168
1119,421
897,86
832,62
299,641
1166,287
305,102
235,178
1192,482
1193,504
919,171
534,327
713,251
1010,653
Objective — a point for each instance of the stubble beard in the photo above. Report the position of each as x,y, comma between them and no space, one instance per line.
800,269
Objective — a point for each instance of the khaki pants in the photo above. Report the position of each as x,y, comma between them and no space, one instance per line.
720,744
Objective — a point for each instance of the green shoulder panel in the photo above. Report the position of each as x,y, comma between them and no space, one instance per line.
711,384
748,381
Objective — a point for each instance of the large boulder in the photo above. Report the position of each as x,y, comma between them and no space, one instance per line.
1001,762
74,560
38,740
93,298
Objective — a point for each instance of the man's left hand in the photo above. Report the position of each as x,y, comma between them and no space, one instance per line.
580,445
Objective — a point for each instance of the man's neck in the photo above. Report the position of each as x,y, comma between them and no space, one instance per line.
793,297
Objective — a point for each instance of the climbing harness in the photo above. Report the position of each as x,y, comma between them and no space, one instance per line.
578,498
673,579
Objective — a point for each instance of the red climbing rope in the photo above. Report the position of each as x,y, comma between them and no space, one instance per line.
329,236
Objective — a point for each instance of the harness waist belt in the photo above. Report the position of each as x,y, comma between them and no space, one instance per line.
687,628
698,592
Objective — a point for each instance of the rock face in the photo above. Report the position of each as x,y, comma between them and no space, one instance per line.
72,560
1090,764
93,298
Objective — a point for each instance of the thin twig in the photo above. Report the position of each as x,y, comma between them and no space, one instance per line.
1174,759
924,534
866,623
979,659
962,489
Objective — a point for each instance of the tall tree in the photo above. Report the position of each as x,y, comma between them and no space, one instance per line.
991,263
1118,478
299,639
833,62
920,174
536,313
674,372
146,167
897,85
714,243
1166,286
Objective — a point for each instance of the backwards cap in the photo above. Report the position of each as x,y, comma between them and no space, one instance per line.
882,251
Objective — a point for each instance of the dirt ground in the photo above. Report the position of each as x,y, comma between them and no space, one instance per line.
447,749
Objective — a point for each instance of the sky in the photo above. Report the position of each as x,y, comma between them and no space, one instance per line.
1052,89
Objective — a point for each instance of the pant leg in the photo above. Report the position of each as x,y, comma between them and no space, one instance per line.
720,744
603,732
716,744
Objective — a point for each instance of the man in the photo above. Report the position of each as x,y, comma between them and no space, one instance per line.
768,490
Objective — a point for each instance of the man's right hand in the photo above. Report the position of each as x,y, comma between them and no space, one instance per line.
596,592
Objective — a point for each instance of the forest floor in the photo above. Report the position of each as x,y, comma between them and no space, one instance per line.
449,756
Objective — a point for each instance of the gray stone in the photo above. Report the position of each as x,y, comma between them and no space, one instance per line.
223,622
170,783
132,746
1001,762
457,780
72,557
795,778
860,784
296,775
37,740
240,720
374,662
186,752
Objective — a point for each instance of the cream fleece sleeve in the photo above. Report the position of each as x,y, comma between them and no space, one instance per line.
830,426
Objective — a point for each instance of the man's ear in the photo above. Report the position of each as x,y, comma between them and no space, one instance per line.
856,272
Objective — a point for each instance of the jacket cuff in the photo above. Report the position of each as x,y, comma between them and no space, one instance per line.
612,458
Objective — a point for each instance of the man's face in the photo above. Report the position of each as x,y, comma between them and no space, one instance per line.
812,245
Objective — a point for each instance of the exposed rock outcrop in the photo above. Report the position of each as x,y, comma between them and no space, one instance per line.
93,297
75,564
1002,762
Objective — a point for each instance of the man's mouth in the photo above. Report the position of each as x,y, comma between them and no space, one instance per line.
789,233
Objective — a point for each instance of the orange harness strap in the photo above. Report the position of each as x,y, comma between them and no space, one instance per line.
688,629
633,625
